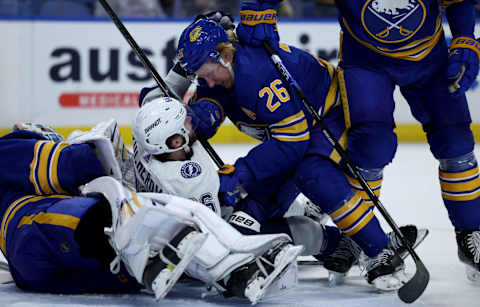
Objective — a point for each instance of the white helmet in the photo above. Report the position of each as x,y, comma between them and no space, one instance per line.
157,121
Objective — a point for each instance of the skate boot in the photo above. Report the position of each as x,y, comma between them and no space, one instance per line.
386,271
341,260
165,267
254,279
412,234
468,243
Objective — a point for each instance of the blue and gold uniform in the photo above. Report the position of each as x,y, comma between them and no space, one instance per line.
40,213
402,43
261,105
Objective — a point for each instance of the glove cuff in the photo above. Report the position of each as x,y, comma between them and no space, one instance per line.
252,18
227,169
466,43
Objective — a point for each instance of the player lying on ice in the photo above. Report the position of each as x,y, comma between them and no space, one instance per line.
240,82
67,228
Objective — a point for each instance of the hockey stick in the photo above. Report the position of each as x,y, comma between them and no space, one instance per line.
415,286
149,66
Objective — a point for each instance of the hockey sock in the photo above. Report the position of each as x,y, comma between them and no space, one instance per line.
460,184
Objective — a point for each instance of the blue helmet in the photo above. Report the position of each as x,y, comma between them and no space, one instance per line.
198,43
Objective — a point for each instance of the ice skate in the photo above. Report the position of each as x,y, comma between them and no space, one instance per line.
341,260
386,271
176,255
468,243
254,279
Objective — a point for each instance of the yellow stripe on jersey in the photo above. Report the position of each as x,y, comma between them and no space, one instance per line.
353,215
330,67
34,166
284,47
54,180
291,129
332,96
44,167
414,51
344,97
13,208
335,156
55,219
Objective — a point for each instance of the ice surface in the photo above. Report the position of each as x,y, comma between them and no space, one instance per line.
410,194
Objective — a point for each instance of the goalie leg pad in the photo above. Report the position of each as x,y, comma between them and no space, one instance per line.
139,226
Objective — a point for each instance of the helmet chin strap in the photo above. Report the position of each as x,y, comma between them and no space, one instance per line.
228,66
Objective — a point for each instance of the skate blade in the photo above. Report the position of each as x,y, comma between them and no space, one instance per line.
254,295
161,288
391,282
335,278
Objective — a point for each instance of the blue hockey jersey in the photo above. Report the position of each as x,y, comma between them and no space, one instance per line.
394,35
262,106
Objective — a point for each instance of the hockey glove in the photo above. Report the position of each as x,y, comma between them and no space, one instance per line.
44,130
206,116
231,180
258,22
224,19
463,61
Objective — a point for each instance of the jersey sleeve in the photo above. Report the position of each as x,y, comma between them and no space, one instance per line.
42,167
461,16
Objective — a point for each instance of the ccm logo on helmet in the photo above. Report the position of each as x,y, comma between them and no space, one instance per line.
153,125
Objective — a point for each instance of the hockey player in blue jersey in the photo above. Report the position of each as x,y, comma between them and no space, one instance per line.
174,162
401,42
104,237
240,82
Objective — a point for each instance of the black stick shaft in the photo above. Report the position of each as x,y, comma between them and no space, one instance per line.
348,162
149,66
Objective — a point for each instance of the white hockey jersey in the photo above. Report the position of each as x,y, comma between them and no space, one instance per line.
196,179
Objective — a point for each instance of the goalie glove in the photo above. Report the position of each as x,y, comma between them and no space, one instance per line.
258,22
463,64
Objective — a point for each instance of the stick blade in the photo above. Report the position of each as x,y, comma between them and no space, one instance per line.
414,288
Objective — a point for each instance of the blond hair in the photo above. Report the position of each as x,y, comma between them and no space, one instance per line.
229,47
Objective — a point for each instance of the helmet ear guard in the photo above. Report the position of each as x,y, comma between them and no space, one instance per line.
156,122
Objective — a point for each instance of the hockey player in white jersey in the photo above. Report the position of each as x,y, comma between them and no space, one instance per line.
168,158
158,236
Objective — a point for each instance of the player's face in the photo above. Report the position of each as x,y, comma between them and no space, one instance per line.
215,74
177,141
